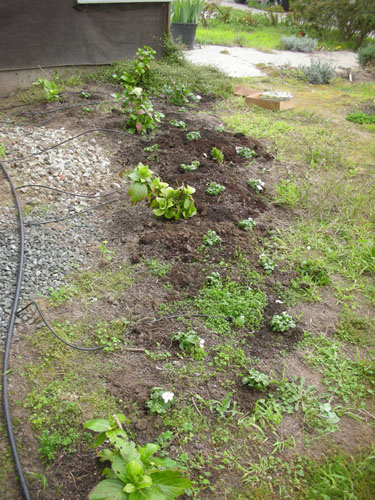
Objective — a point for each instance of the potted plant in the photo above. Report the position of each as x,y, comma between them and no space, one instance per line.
185,17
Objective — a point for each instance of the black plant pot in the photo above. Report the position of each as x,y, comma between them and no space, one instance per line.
184,33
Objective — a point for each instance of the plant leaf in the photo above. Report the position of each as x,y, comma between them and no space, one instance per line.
137,191
109,489
170,483
97,425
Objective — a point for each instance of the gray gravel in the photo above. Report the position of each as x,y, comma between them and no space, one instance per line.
52,251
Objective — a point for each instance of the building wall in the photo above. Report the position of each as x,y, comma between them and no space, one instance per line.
54,33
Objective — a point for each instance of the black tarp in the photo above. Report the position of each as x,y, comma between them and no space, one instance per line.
51,33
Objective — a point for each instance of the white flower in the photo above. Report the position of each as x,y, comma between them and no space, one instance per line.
201,343
167,396
308,248
277,301
199,97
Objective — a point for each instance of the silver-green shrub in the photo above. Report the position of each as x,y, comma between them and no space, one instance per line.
299,43
318,72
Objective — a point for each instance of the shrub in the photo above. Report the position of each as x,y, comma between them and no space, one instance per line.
354,19
318,72
299,43
366,55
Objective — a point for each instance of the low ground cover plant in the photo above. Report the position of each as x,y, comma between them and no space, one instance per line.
245,152
189,342
211,238
160,401
178,94
256,380
194,135
190,167
214,189
247,224
282,322
366,55
178,123
256,184
135,471
267,263
361,118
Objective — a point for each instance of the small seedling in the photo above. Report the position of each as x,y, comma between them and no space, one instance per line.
282,322
104,252
51,90
219,128
190,343
194,135
256,184
85,95
247,224
190,168
256,380
160,401
178,123
87,109
217,155
152,149
267,263
214,189
211,238
245,152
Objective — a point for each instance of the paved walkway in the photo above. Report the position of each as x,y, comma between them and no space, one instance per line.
241,61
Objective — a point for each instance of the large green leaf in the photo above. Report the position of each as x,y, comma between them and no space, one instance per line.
109,489
137,191
97,425
119,468
153,493
170,483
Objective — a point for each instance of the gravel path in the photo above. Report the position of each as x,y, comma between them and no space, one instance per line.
51,251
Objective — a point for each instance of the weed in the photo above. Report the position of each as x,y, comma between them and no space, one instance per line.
217,155
213,279
105,253
211,239
282,322
315,271
231,299
247,224
288,193
356,329
152,149
179,94
2,150
228,356
156,268
214,189
62,294
361,118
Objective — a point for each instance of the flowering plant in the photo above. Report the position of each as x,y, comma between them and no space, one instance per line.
189,342
256,184
160,401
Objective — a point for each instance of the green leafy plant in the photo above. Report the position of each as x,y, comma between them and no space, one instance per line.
2,150
211,238
214,189
288,193
190,343
318,72
104,252
141,70
256,380
315,271
247,224
361,118
213,279
85,95
142,117
267,263
217,155
186,11
282,322
194,135
179,94
190,168
51,90
256,184
157,268
160,401
245,152
87,109
174,203
152,149
165,200
135,472
178,123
